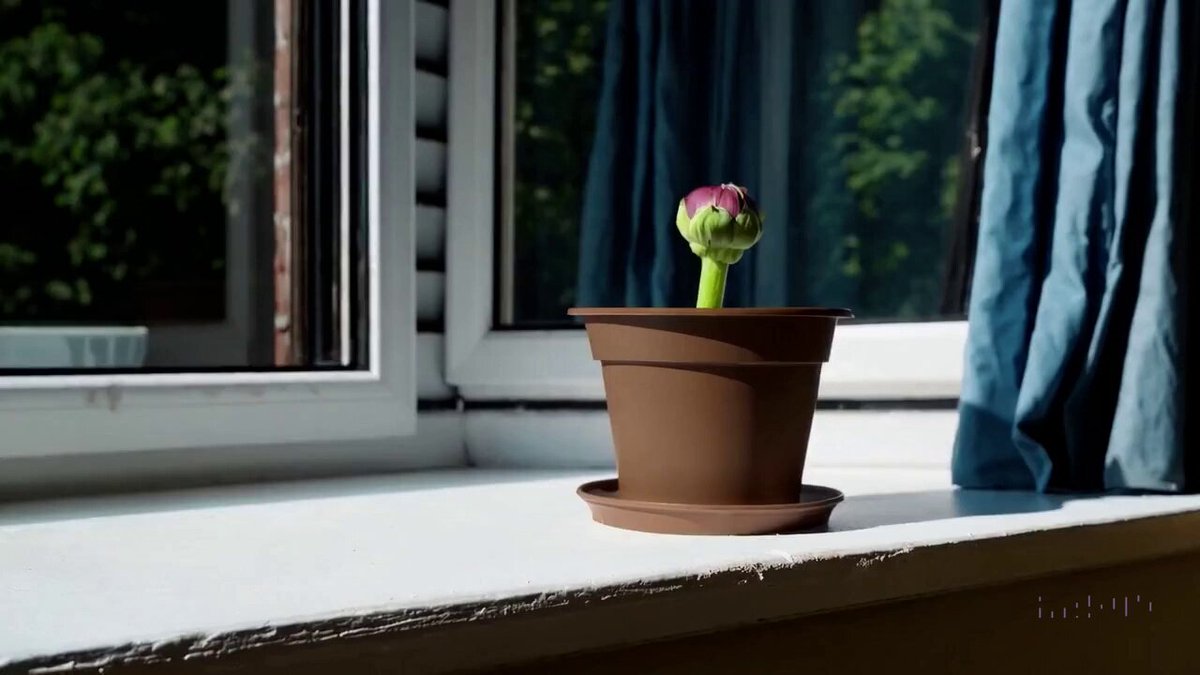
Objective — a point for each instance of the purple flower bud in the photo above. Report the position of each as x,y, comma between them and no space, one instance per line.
719,222
727,196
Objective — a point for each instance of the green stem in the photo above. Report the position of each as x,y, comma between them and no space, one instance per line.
712,283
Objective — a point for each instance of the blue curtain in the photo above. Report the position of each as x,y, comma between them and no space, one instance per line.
674,113
1073,377
699,92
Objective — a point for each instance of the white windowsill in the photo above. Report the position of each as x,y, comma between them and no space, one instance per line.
217,572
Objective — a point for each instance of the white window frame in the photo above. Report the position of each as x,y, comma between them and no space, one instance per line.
920,360
42,416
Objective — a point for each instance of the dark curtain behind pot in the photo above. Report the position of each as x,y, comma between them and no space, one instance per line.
761,93
1074,363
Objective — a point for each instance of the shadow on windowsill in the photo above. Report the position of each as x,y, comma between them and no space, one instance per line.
877,510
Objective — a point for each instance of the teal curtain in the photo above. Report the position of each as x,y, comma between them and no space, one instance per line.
699,92
1074,364
673,115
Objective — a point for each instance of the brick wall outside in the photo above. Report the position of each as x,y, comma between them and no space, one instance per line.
285,343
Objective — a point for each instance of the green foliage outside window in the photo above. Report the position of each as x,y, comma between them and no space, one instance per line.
114,153
559,47
900,98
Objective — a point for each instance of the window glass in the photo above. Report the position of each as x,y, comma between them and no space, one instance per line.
846,120
158,169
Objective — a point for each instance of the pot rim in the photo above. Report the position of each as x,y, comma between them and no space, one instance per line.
724,312
603,492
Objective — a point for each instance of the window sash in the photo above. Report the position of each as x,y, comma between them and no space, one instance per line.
108,413
888,361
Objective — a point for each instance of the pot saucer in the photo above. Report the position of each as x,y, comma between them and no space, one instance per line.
810,511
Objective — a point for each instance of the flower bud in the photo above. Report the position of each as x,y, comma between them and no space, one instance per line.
719,222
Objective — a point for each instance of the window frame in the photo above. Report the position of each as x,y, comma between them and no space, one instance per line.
877,361
63,415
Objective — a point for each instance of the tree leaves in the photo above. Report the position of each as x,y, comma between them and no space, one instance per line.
899,96
114,169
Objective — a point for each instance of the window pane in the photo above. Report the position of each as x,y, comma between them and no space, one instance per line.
152,156
845,120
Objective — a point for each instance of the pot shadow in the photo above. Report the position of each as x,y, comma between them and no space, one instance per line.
860,512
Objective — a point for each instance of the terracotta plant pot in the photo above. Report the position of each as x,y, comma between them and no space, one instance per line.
710,406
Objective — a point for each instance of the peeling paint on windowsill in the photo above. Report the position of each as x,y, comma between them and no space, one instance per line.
376,564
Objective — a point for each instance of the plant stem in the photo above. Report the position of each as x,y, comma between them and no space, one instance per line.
712,283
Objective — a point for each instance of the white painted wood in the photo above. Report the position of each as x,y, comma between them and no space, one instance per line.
393,208
437,443
431,293
896,360
552,439
582,439
431,370
431,101
86,414
469,186
432,32
31,392
431,234
885,361
102,572
523,365
871,361
872,438
431,167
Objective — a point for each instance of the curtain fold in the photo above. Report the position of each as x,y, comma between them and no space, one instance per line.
671,116
1073,372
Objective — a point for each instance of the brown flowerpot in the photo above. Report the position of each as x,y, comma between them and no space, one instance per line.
710,406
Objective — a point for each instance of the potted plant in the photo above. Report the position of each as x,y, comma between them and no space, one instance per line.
710,407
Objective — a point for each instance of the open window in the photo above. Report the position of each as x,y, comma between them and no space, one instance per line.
209,228
889,219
